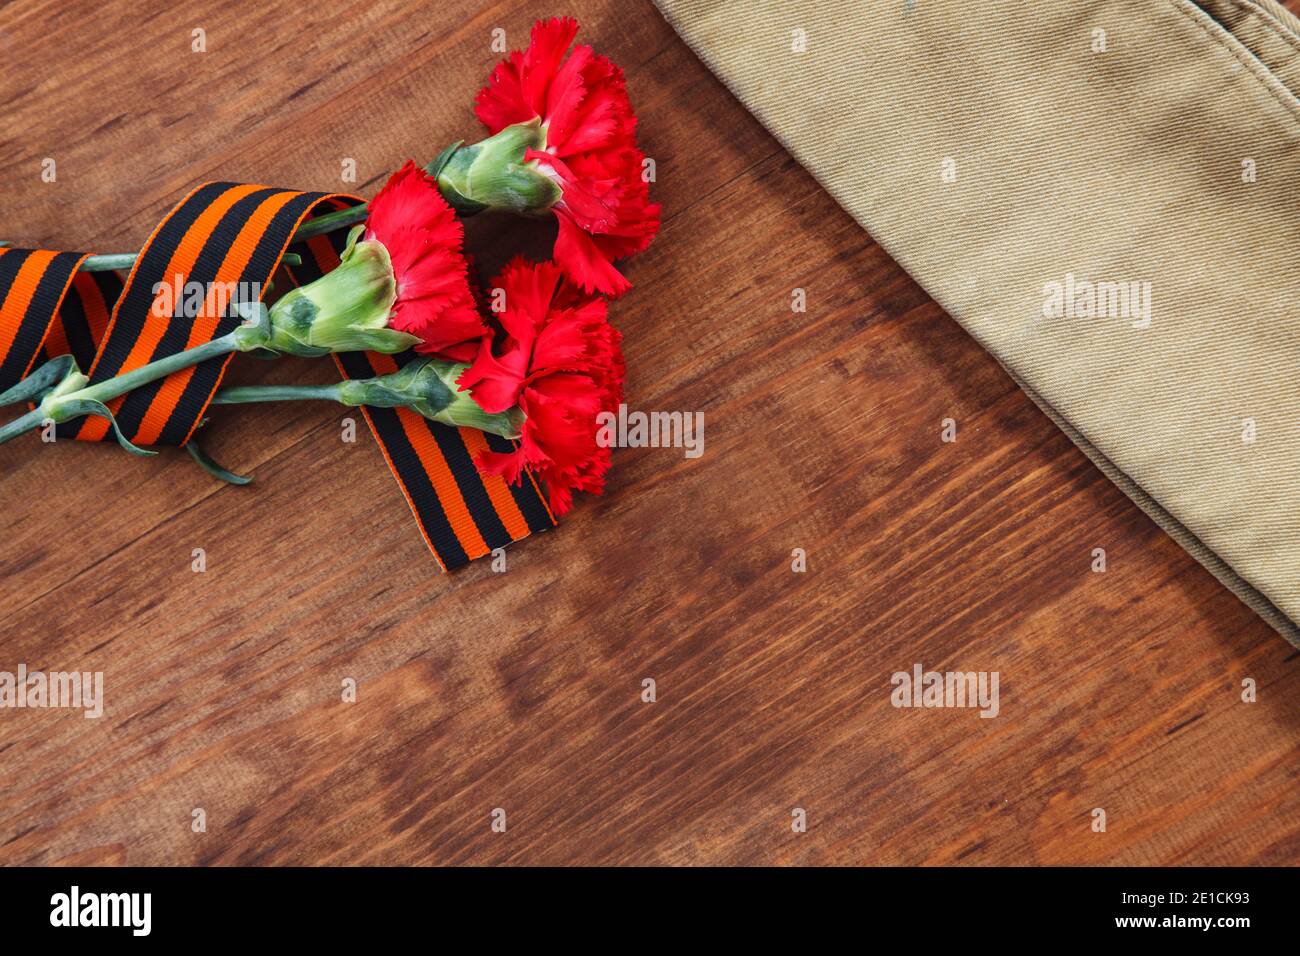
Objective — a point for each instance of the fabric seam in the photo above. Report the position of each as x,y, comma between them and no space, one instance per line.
1269,20
1224,39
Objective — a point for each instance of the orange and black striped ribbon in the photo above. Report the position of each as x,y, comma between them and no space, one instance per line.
228,236
33,282
462,513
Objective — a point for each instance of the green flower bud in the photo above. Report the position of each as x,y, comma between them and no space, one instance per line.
492,174
428,386
346,310
53,407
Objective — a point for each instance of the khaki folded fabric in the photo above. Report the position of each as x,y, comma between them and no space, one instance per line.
1105,194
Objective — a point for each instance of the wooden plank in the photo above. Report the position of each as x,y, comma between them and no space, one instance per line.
523,690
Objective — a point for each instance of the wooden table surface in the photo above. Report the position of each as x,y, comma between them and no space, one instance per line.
523,690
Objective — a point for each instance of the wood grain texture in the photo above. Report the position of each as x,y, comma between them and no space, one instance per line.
522,690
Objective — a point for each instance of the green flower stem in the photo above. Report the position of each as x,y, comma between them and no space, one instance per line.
21,425
461,411
161,368
339,219
242,394
112,262
111,388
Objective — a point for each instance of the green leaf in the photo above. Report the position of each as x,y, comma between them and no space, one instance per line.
255,332
88,406
253,314
387,341
41,380
435,167
463,205
212,468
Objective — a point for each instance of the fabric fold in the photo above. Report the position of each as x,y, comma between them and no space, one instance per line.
1106,195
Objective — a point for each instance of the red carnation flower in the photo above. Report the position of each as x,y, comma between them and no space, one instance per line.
557,357
423,237
590,150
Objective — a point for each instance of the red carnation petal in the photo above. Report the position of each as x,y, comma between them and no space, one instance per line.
423,238
590,125
582,260
501,103
508,464
548,43
461,352
560,345
601,118
493,383
411,198
566,96
518,88
593,203
562,364
529,288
